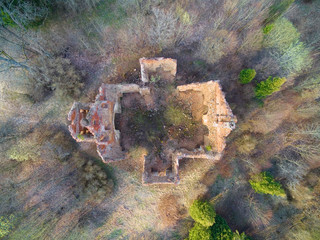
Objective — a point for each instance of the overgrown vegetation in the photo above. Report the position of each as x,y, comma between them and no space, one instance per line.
58,75
55,52
24,14
209,225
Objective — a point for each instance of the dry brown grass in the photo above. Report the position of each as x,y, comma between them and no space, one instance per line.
246,143
170,210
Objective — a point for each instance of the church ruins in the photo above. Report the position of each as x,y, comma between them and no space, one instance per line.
96,122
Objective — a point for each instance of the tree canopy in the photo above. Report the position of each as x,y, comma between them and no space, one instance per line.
269,86
264,183
203,213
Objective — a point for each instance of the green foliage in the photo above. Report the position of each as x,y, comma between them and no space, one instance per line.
6,20
281,36
238,236
264,183
218,231
203,213
28,14
269,86
277,9
208,148
268,28
247,75
199,232
291,54
221,230
6,225
80,136
176,116
154,79
295,59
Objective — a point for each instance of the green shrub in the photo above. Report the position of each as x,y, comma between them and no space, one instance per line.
203,213
281,35
6,225
264,183
247,75
268,28
269,86
238,236
208,148
221,230
199,232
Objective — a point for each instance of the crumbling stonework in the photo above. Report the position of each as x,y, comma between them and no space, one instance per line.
95,122
166,67
219,118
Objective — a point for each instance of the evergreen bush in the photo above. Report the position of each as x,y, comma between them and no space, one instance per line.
247,75
269,86
203,213
199,232
264,183
221,230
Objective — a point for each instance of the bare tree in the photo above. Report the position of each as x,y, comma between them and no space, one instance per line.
7,62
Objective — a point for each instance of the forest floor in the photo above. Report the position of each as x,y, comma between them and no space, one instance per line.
58,189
